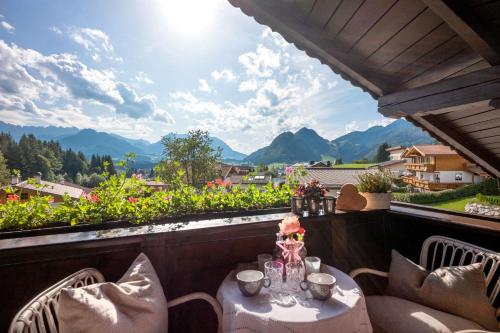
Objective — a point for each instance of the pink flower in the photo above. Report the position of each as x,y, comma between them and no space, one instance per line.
289,170
132,200
289,225
90,197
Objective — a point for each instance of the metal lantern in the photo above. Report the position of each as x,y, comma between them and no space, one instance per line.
329,205
297,205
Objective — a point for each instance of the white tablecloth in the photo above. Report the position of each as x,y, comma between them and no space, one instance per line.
345,312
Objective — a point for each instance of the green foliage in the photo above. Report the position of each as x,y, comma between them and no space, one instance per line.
31,155
129,199
490,200
487,187
193,155
377,182
382,155
361,161
4,172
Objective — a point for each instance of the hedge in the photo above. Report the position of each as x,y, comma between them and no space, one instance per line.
487,187
488,199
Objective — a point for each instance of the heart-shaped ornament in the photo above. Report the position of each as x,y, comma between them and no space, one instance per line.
350,199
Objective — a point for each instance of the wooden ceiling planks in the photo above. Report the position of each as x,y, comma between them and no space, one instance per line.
398,16
322,11
363,21
341,17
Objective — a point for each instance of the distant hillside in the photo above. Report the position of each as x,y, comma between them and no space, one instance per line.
305,145
91,142
42,133
359,144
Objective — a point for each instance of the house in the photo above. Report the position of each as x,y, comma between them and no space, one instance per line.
26,189
396,164
438,167
228,170
332,179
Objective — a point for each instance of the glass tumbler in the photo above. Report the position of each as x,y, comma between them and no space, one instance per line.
312,264
274,271
294,275
262,259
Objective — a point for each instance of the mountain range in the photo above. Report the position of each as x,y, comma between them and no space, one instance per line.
287,147
307,145
91,142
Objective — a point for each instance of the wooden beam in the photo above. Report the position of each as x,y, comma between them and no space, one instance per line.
279,17
456,92
458,20
472,152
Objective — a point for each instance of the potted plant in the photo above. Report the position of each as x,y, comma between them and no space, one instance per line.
375,187
312,192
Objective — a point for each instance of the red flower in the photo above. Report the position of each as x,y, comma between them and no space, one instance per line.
229,183
210,184
132,200
302,231
93,198
12,197
219,182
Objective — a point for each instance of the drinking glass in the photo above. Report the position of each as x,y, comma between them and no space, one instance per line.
274,271
294,275
312,265
262,259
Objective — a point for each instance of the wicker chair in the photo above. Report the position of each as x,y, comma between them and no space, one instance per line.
439,251
40,314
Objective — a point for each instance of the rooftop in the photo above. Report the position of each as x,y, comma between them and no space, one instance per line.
332,178
429,150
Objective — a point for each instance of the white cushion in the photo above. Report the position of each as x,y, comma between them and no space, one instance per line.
393,315
136,303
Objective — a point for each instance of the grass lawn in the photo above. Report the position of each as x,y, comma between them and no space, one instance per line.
353,166
457,205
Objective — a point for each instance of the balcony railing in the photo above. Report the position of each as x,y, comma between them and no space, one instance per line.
196,255
427,167
431,185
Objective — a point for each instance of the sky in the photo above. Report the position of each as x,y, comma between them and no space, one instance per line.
144,68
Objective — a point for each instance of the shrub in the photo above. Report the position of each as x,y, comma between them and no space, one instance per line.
129,199
488,186
488,199
377,182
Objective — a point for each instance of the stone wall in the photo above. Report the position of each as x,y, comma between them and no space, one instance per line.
482,209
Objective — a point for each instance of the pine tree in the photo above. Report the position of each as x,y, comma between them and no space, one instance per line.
4,171
382,155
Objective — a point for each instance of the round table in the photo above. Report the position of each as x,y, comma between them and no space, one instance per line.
344,312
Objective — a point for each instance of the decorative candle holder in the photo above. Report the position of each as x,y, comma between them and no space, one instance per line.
329,204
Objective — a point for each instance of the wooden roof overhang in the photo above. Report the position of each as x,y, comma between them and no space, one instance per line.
434,62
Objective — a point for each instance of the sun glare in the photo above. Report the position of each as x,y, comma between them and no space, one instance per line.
188,16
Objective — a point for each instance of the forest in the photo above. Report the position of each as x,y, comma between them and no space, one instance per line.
30,155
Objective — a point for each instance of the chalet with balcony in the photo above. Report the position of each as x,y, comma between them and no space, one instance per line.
396,164
438,167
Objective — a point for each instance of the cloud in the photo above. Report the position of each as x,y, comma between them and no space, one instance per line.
56,30
275,37
29,79
95,41
381,122
224,74
203,86
7,26
142,77
260,63
248,85
351,127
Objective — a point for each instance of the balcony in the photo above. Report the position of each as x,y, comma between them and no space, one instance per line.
430,185
427,167
196,255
